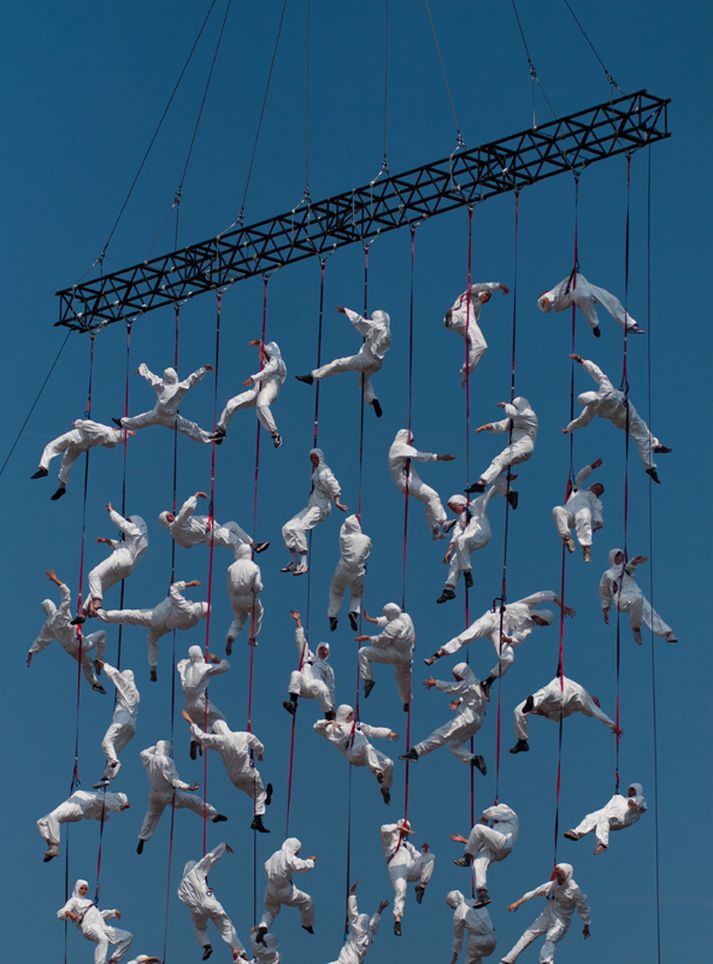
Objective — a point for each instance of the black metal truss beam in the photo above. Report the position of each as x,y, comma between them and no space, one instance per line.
466,177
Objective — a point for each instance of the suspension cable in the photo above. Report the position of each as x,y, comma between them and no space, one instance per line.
534,76
459,131
466,368
612,83
385,162
125,446
412,285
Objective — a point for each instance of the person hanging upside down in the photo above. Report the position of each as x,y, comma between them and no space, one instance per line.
470,533
402,456
618,585
352,740
314,678
354,550
491,839
575,289
583,511
521,423
559,699
405,864
325,490
618,813
463,322
85,435
189,529
262,390
471,918
393,645
169,392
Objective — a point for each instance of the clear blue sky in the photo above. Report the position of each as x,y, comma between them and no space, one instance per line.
84,84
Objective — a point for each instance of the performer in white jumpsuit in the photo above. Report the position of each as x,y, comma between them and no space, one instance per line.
362,930
81,805
618,585
465,323
563,896
169,392
557,699
314,678
394,645
370,357
325,490
244,587
583,511
189,529
522,423
610,403
280,890
492,839
122,728
405,865
354,550
352,740
126,552
575,289
473,919
145,959
471,532
93,924
402,456
195,892
85,435
195,674
262,390
619,812
267,950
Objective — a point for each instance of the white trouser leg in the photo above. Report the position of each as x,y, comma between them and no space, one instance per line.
538,927
587,824
478,947
294,532
235,404
224,926
506,657
296,898
193,431
102,947
583,526
192,801
562,520
453,645
645,441
250,783
230,535
199,919
336,592
115,739
144,420
555,933
634,605
265,398
376,762
100,578
122,941
65,470
52,450
440,736
653,620
317,690
153,815
399,879
520,722
155,633
513,454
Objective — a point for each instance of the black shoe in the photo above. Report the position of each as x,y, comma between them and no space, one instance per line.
354,621
378,411
153,675
397,928
193,751
207,951
63,488
446,595
290,706
260,935
430,660
276,439
307,379
529,705
483,899
140,846
268,795
260,547
479,763
386,794
522,746
468,579
78,620
420,891
229,646
660,449
476,487
407,707
40,474
98,688
97,667
258,825
333,623
486,684
219,818
463,861
571,835
652,474
117,422
513,499
217,437
330,715
308,928
411,755
101,784
369,685
596,331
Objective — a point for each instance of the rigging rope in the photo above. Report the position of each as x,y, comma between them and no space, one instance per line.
412,284
469,302
534,77
308,101
385,162
612,83
459,135
123,484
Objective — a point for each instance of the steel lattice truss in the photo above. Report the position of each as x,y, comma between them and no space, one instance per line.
466,177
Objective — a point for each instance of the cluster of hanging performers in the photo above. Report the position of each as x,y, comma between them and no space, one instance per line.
494,836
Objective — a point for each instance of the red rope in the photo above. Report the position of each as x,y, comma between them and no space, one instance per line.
412,286
123,481
468,301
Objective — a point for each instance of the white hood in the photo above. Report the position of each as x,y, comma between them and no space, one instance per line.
351,524
613,553
568,870
164,520
195,654
170,375
391,611
319,453
454,898
463,672
292,846
244,551
49,607
221,728
343,712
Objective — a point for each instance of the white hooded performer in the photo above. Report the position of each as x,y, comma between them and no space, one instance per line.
189,529
325,490
563,896
92,924
85,435
469,703
610,403
463,318
244,588
314,678
492,839
471,532
195,674
474,920
126,552
393,645
169,392
195,892
354,550
618,813
559,699
58,625
583,511
262,389
362,930
122,728
81,805
280,890
405,865
576,290
167,789
173,612
145,959
352,740
402,456
618,585
521,423
376,332
266,950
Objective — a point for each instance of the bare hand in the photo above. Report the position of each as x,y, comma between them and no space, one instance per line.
505,290
51,575
596,463
109,507
506,639
353,888
341,506
575,357
28,661
208,368
430,682
117,914
295,615
514,906
564,431
187,717
568,611
201,495
501,404
193,582
361,639
248,383
488,427
212,658
194,786
454,704
341,309
254,343
392,735
312,857
425,847
446,458
383,904
458,838
100,665
637,560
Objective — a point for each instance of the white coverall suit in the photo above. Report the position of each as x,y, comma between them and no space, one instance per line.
280,890
618,813
93,925
165,786
85,435
325,489
618,585
402,456
554,921
314,680
370,357
188,529
173,612
195,674
492,843
58,625
125,554
582,511
81,805
472,530
466,325
609,403
235,747
476,922
522,420
122,728
266,951
360,936
354,550
394,645
456,734
586,297
169,392
352,740
262,394
551,701
404,863
195,892
244,586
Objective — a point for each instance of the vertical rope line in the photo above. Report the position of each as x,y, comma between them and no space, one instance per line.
385,163
101,841
469,303
412,286
123,482
167,909
308,100
361,413
444,74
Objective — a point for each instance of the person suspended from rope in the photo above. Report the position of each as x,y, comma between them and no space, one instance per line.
58,626
563,895
405,865
198,896
80,805
314,678
166,789
93,924
195,674
267,950
469,703
463,318
262,390
619,812
362,930
169,392
237,749
281,892
122,728
560,698
393,645
521,424
244,588
352,741
610,403
85,435
471,918
582,511
376,332
325,490
618,585
189,529
402,455
173,612
491,839
576,290
354,550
